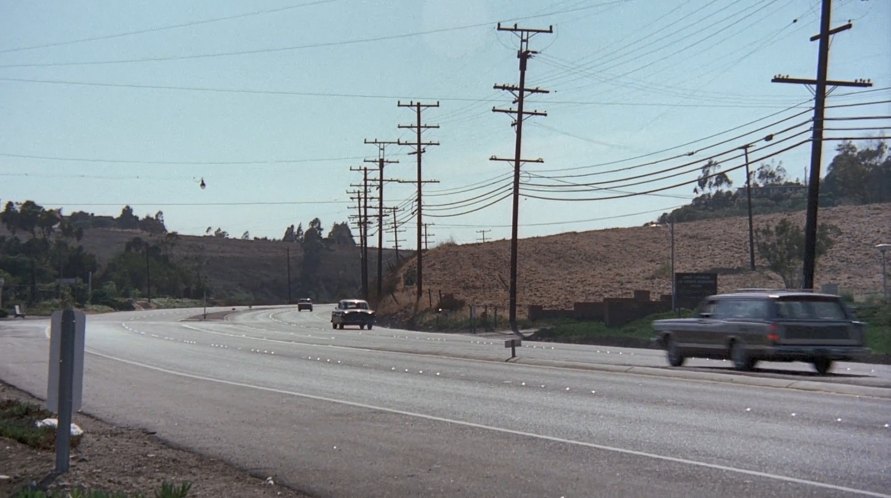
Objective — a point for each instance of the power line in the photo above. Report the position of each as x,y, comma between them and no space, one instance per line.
164,28
296,47
176,163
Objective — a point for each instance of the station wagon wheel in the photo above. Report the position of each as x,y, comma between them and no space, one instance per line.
822,365
333,325
741,359
361,326
369,326
675,358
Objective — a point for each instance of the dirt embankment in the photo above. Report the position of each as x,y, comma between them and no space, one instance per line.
558,270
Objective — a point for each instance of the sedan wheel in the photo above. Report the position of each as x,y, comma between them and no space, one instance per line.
741,359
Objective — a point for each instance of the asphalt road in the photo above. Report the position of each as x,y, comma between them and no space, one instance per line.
398,413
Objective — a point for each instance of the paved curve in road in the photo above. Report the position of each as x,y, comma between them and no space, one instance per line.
399,413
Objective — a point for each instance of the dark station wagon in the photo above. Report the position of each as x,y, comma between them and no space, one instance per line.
768,325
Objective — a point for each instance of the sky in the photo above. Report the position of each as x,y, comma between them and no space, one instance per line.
270,103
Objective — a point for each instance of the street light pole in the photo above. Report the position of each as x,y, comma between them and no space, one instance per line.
882,248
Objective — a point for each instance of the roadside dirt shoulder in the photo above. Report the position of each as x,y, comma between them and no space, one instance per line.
119,459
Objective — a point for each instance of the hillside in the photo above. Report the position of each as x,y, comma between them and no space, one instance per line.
556,271
245,271
252,271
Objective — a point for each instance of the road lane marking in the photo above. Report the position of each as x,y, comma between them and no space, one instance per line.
503,430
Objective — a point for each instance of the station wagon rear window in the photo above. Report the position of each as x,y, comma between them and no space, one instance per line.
810,308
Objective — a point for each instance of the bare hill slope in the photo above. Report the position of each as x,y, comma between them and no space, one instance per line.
557,270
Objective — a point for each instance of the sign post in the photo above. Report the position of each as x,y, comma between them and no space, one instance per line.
65,380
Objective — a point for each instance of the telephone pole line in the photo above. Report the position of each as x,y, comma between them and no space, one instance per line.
519,92
381,161
396,232
820,84
484,232
426,235
362,198
419,149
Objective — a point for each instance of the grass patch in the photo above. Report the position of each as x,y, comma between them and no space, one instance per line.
633,334
878,326
18,421
167,490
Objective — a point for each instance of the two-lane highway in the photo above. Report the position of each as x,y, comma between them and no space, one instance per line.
399,413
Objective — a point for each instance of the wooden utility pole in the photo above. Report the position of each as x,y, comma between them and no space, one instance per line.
519,92
427,236
419,148
820,84
362,198
381,161
396,232
484,232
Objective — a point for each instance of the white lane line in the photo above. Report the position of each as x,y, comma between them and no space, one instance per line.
434,418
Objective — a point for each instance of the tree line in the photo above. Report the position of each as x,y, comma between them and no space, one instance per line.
42,258
855,176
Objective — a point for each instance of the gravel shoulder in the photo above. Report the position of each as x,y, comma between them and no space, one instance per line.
121,459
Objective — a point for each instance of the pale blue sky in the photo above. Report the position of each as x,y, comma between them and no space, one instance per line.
107,103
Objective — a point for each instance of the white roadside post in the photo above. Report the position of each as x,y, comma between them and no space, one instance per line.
65,379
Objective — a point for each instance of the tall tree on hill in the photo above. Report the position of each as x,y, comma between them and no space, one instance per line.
341,235
127,220
711,178
770,174
782,245
313,248
858,176
289,235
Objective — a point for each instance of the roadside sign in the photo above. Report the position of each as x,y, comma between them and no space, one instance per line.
691,288
66,373
56,360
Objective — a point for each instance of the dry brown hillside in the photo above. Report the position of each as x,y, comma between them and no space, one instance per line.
557,270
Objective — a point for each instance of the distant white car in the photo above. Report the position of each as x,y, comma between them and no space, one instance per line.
352,312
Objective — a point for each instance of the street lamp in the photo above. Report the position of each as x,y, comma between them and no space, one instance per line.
745,149
882,248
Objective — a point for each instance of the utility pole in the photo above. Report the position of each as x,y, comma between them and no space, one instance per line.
745,148
820,84
381,161
362,198
426,235
396,232
519,92
484,232
419,149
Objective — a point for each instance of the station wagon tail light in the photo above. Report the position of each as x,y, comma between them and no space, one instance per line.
774,332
